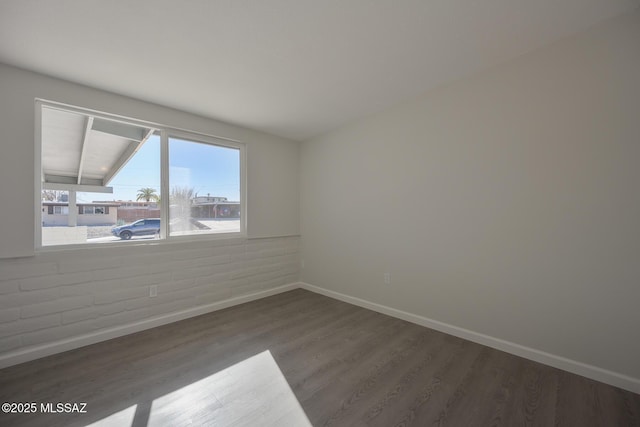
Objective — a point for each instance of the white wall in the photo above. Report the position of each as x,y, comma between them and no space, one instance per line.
507,203
58,300
63,299
272,167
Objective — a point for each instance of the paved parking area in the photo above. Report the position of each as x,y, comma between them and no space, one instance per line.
102,234
215,226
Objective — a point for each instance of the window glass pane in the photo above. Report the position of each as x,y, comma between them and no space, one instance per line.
83,151
114,154
204,188
136,195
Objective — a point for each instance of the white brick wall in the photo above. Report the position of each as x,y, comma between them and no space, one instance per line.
63,294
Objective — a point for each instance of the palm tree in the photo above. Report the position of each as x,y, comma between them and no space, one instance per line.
147,194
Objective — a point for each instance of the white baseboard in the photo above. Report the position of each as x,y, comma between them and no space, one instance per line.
579,368
573,366
36,352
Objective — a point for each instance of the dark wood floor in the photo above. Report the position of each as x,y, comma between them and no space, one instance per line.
347,366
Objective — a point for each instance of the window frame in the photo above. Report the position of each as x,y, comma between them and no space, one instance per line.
165,132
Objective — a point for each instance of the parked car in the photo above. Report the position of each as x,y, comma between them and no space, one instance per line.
142,227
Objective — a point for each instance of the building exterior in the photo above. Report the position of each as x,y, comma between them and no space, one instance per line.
96,213
120,211
129,211
214,207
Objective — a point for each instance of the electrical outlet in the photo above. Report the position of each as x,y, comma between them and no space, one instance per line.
153,291
387,278
302,264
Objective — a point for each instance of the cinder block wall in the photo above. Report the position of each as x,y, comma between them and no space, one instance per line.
64,294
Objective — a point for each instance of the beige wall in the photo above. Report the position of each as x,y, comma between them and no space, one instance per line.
507,203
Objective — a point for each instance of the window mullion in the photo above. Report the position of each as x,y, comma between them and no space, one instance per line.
164,184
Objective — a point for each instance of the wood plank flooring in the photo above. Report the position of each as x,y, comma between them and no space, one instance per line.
299,358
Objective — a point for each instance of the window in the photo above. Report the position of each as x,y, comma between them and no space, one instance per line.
112,179
93,210
196,172
60,210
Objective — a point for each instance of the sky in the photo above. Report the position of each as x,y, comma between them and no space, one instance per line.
208,169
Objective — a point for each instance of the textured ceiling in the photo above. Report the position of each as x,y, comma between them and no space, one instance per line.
294,68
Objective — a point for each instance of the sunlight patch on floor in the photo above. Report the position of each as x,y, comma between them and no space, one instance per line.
121,418
249,393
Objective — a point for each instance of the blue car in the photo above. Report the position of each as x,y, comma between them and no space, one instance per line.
142,227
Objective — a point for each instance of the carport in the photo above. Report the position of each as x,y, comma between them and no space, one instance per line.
83,153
